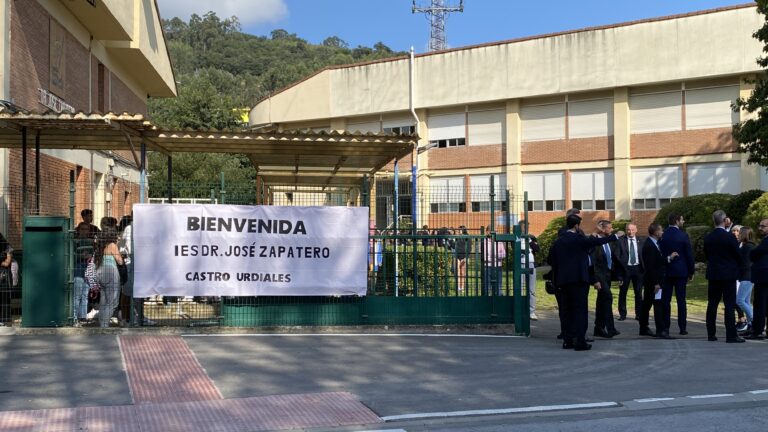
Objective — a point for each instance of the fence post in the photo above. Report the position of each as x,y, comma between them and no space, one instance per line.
520,311
37,172
365,195
71,200
396,214
143,174
222,192
170,180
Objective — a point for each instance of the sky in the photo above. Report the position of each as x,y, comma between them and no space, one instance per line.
365,22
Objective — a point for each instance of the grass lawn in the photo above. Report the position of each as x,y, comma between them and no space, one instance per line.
696,298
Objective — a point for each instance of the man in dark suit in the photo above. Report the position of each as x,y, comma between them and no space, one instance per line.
654,269
676,247
723,263
629,269
558,292
759,258
570,263
604,262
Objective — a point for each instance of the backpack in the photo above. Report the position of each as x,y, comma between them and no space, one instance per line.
90,275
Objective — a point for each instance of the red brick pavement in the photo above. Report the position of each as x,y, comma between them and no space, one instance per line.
248,414
163,369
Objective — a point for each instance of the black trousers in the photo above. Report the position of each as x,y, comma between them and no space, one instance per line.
576,314
604,305
635,278
760,306
561,310
724,290
645,309
677,285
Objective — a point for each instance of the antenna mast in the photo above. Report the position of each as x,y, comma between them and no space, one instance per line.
436,13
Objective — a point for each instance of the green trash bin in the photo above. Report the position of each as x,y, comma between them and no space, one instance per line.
43,294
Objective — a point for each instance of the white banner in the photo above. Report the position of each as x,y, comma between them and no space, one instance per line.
227,250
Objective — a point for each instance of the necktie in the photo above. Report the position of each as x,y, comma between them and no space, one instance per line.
607,255
632,252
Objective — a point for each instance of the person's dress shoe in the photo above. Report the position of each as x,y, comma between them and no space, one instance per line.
683,332
568,345
712,338
560,336
737,339
589,339
602,333
647,332
584,347
621,318
664,335
754,337
614,332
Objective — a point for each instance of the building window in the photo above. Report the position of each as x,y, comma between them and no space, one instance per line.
447,130
486,127
592,190
710,107
657,112
543,122
447,195
590,118
653,188
445,143
545,191
400,130
480,192
714,178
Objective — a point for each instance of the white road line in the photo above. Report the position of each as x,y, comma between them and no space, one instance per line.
759,391
654,399
353,334
710,396
532,409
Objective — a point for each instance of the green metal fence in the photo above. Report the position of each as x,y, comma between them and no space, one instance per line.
466,269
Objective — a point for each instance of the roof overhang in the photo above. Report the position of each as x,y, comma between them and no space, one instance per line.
281,158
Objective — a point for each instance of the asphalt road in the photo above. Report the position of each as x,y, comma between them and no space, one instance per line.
398,375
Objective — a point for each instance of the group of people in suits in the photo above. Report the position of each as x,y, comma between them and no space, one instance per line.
656,267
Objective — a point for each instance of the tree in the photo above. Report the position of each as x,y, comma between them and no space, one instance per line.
219,69
335,42
752,134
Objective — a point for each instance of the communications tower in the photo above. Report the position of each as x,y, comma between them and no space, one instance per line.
436,12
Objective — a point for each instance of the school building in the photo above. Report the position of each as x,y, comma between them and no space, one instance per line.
76,58
616,120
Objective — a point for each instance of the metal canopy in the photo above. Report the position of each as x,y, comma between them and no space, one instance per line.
281,157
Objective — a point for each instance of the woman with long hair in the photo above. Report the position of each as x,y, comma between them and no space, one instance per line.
744,290
463,250
106,258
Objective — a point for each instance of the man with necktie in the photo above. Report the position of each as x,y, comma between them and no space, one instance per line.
723,263
630,270
676,247
570,265
654,270
603,261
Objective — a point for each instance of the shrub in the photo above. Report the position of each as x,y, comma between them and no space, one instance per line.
757,211
738,206
548,237
697,209
621,225
696,234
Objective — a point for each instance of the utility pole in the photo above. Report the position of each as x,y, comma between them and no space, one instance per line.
436,13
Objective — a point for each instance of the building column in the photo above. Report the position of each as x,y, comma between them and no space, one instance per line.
513,149
422,182
750,174
622,173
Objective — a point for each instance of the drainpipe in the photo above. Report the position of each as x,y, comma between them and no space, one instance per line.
414,153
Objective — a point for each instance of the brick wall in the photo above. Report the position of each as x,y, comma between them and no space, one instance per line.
682,143
643,218
567,150
478,156
123,99
403,164
30,51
